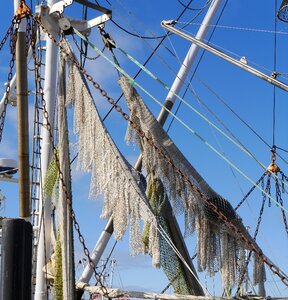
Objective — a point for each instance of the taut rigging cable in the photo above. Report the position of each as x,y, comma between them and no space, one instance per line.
183,123
146,61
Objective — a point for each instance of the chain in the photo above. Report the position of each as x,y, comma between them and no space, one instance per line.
280,201
8,33
242,276
13,40
185,178
250,191
28,34
61,176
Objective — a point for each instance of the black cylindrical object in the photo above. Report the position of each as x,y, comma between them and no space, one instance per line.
16,260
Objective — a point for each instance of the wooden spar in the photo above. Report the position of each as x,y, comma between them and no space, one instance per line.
117,293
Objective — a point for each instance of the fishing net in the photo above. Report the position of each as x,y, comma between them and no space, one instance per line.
169,261
283,11
112,175
51,177
218,248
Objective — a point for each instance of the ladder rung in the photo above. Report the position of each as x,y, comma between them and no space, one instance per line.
35,168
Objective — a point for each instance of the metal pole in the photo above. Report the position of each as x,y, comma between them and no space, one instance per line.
188,61
169,102
16,256
242,64
43,248
23,132
12,84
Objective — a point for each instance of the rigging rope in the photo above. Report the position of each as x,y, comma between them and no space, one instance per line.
236,28
146,61
239,117
199,61
191,8
260,255
274,66
184,101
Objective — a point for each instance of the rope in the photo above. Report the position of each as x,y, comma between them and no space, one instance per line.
145,63
181,99
236,55
237,28
274,66
199,61
264,258
240,118
191,8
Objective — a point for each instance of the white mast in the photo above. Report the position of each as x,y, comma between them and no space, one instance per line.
176,87
45,204
188,61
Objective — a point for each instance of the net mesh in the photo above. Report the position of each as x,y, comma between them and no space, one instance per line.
111,175
169,260
283,11
218,248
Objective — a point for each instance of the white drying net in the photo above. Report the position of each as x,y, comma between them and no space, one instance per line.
111,173
218,249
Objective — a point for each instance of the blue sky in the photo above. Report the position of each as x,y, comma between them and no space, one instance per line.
250,97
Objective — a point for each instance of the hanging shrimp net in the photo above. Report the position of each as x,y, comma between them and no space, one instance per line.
283,11
218,247
169,261
112,175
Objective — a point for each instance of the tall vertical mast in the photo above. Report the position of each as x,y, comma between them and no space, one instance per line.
22,105
43,248
169,102
16,250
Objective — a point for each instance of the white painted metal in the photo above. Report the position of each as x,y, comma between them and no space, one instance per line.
59,6
242,63
96,255
7,162
190,57
12,88
83,26
50,85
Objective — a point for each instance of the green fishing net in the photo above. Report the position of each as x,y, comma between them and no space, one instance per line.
58,281
169,261
51,177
